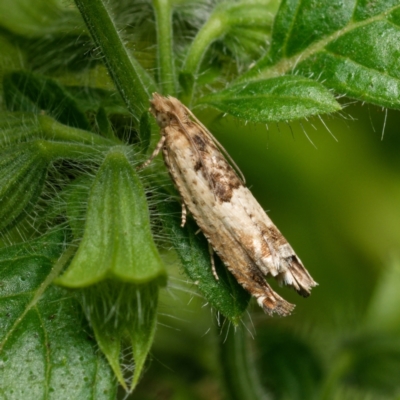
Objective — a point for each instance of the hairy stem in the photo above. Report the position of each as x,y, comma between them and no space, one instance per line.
215,27
210,31
53,130
163,14
129,77
73,151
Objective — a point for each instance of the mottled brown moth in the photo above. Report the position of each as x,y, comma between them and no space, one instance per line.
235,225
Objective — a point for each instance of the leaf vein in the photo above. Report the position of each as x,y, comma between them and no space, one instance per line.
286,64
382,72
55,271
290,30
46,346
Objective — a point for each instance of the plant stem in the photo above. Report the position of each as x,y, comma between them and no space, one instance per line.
215,27
74,151
163,14
129,77
238,369
53,130
210,31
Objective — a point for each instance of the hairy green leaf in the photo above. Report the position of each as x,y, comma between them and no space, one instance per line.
350,46
50,35
16,126
25,91
117,242
93,98
45,350
225,295
278,99
23,170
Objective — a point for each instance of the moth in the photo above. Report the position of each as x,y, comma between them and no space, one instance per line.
235,225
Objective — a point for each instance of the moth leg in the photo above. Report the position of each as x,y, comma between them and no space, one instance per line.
158,148
214,271
184,214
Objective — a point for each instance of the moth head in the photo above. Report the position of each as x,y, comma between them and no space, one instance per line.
159,107
167,110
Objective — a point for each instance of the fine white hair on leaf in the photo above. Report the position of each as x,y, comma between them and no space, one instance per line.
384,123
247,328
326,127
305,133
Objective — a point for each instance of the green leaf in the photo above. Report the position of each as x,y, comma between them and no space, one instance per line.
16,126
90,99
50,35
278,99
117,241
25,91
48,16
23,170
352,47
123,317
45,350
225,295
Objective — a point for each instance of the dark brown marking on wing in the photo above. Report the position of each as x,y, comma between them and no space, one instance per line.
225,182
200,142
197,165
273,236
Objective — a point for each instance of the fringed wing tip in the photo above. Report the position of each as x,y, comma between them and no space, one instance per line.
275,305
297,276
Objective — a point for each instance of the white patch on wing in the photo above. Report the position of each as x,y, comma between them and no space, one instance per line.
257,246
260,300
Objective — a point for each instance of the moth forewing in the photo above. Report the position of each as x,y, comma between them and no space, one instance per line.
235,225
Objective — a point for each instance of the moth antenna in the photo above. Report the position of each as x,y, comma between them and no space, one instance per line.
219,145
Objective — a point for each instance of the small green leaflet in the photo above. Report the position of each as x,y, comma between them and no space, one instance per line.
278,99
